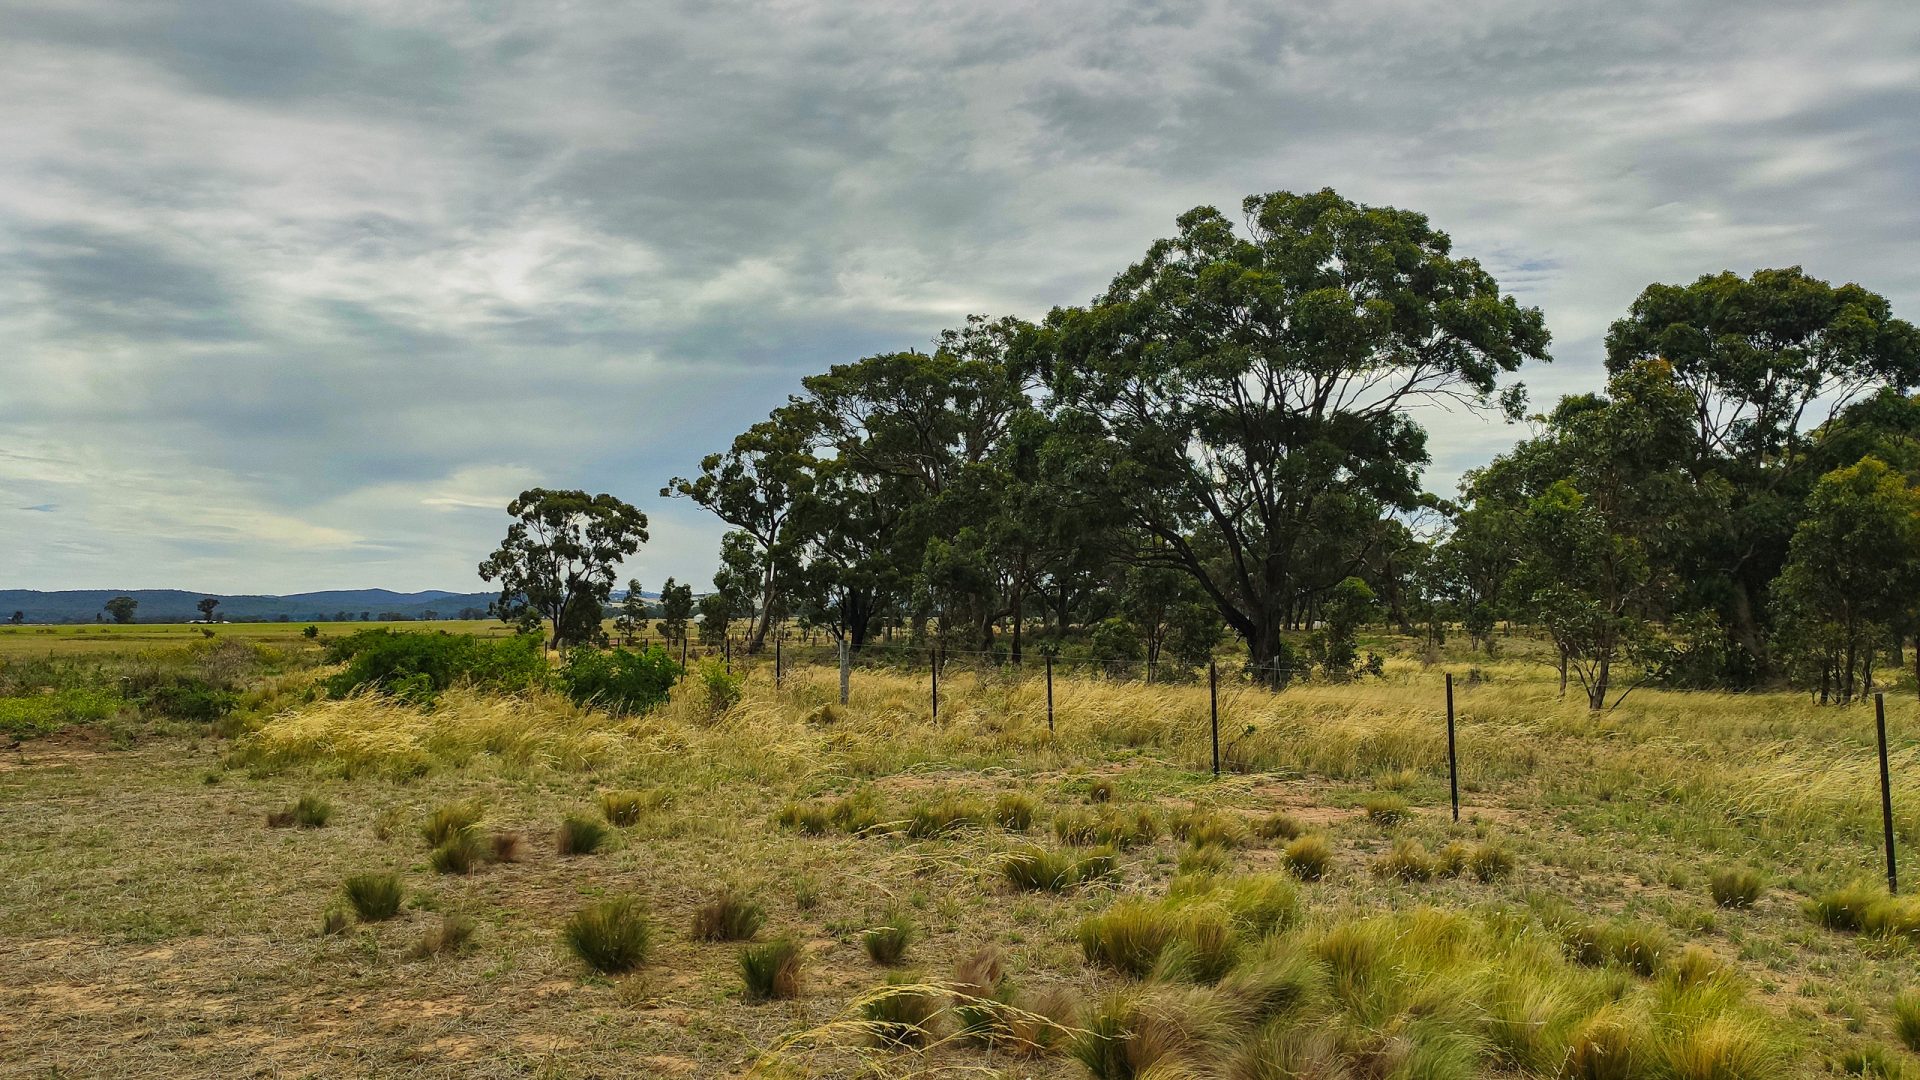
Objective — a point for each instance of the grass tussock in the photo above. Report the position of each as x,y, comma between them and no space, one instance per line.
728,916
611,936
887,941
1279,825
902,1014
1014,811
1100,791
1408,860
1385,809
1905,1018
461,852
1735,887
580,835
1109,826
1037,869
771,969
450,820
948,814
812,818
450,935
374,897
1308,858
308,812
1637,947
625,808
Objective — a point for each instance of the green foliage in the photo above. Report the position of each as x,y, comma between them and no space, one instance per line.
450,820
771,970
1109,826
460,852
42,714
557,562
1844,908
813,818
418,665
1407,861
1036,868
621,681
1906,1018
375,897
947,814
722,689
611,936
1638,947
1279,825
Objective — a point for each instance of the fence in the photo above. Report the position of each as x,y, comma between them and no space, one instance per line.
785,656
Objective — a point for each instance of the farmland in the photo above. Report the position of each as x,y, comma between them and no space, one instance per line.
159,926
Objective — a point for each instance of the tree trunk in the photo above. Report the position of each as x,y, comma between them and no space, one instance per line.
1597,692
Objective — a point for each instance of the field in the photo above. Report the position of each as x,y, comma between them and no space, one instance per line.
1569,925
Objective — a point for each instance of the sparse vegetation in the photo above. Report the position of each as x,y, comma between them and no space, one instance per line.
450,935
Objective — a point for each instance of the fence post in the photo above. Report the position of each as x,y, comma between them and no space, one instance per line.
1213,707
729,654
933,659
1453,762
1886,791
845,670
776,663
1049,693
683,650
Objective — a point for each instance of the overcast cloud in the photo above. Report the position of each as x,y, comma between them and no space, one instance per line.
297,295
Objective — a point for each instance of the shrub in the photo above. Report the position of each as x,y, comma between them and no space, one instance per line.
1385,809
418,665
624,808
621,681
722,688
1734,887
450,936
1844,908
1906,1018
580,835
506,847
1308,857
887,942
1279,825
951,813
611,936
460,853
901,1014
1034,867
1407,861
812,818
375,897
728,916
771,970
450,820
1013,811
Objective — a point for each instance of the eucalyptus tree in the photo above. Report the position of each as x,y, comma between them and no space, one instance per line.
559,560
1242,397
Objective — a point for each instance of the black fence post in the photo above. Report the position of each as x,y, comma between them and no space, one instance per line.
934,661
683,650
1453,761
1886,791
1213,707
729,654
1049,693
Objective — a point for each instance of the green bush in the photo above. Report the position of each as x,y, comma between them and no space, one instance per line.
418,665
723,687
621,681
611,936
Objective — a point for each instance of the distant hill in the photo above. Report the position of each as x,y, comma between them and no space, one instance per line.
175,605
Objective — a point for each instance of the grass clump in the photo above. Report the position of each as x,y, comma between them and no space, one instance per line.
611,936
1308,857
1637,947
460,853
1279,825
1100,791
901,1014
374,897
887,942
1844,908
505,847
949,814
1014,811
580,835
728,916
1109,827
449,820
333,921
1204,859
451,935
771,970
860,814
1037,869
308,812
624,808
1385,809
811,818
1906,1018
1734,887
1407,861
1490,861
1130,936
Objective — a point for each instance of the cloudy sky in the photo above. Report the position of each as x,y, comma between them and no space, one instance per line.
297,295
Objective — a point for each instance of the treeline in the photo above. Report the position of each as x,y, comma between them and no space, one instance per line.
1226,439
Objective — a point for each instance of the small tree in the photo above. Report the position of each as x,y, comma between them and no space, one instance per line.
206,607
121,608
557,564
17,618
1853,567
633,612
1333,646
717,612
676,608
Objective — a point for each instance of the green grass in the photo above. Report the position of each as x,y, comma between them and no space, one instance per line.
771,970
888,940
374,897
612,936
580,835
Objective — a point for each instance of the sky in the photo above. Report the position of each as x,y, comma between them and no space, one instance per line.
297,295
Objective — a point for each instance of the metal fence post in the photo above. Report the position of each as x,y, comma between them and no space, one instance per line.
1453,762
1213,707
1886,791
1049,693
729,654
934,661
845,670
776,663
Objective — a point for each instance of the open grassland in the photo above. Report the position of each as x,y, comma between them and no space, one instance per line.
789,886
114,638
